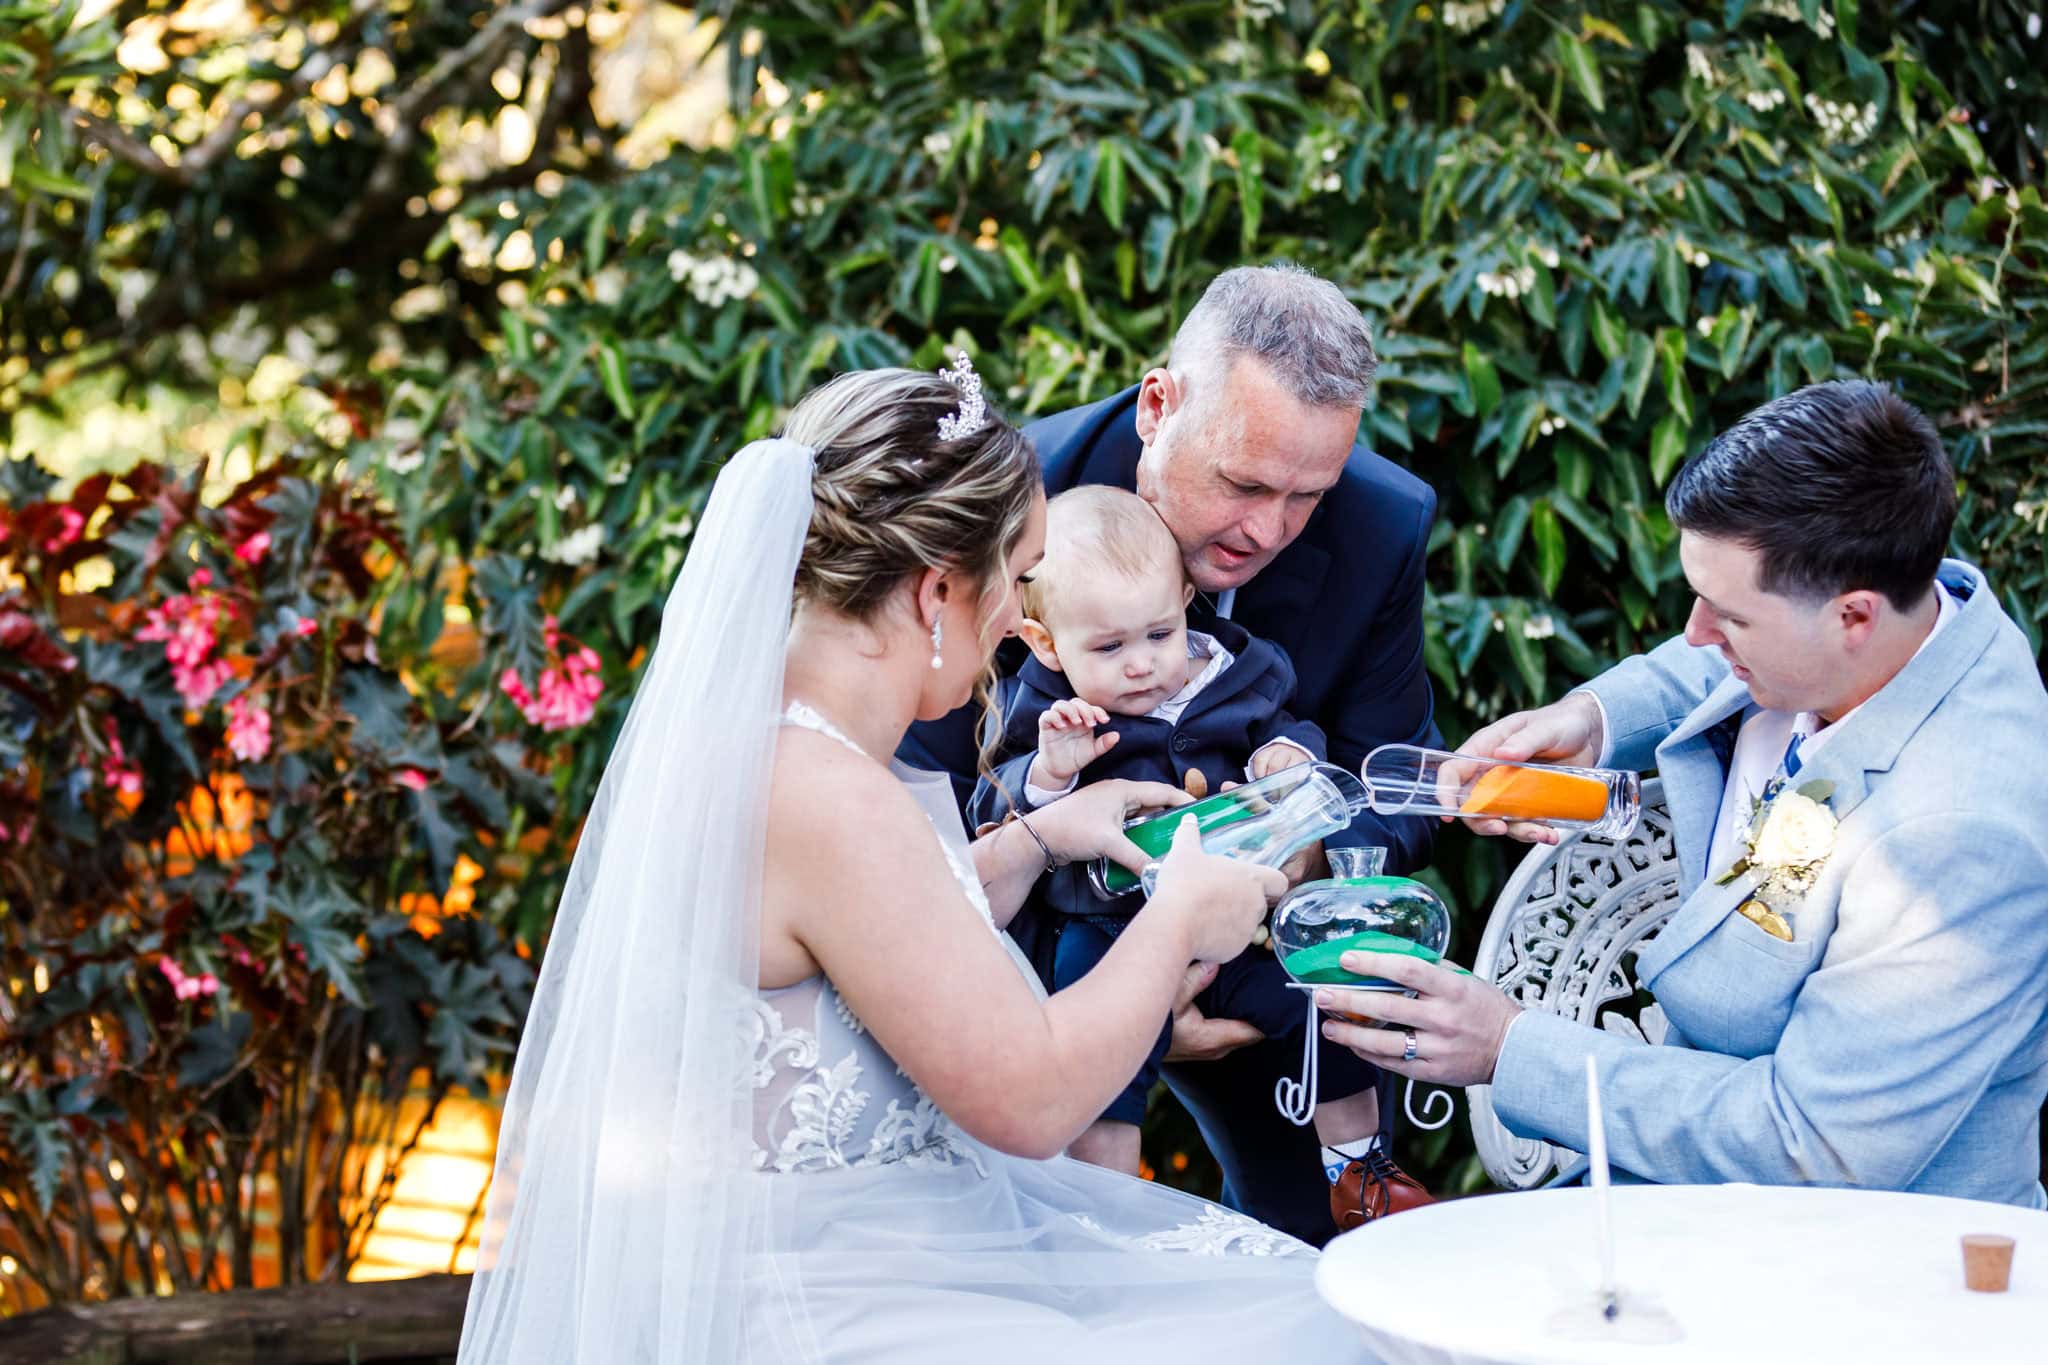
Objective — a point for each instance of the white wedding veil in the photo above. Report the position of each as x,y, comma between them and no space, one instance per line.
623,1202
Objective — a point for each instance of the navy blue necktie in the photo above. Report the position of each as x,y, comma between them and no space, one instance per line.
1792,763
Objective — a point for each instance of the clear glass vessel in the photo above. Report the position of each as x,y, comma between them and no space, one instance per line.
1265,822
1356,908
1405,780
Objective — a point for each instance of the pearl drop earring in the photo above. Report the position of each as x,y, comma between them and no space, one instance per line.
938,635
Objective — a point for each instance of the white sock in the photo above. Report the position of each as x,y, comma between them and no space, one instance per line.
1335,1159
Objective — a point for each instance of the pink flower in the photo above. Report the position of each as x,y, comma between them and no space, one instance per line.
510,684
248,730
187,987
71,526
252,550
189,627
116,771
411,777
306,626
569,686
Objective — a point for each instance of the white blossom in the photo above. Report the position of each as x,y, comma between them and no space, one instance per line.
1259,11
1823,23
1540,627
579,547
1763,101
938,144
1798,832
713,279
608,286
1700,66
1848,123
1511,285
1463,18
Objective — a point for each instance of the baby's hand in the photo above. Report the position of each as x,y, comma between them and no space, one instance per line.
1067,742
1275,757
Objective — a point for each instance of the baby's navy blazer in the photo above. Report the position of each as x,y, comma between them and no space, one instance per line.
1244,708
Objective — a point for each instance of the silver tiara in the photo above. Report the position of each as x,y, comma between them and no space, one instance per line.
973,413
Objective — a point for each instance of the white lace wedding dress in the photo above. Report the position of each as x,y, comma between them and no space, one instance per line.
893,1236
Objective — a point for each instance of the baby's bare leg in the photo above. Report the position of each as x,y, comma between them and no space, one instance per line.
1112,1145
1342,1122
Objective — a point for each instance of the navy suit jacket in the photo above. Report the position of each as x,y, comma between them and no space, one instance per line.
1244,709
1344,601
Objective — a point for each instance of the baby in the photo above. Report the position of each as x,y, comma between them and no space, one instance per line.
1118,686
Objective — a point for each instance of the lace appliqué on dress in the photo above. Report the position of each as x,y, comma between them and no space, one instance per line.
772,1043
820,1117
1218,1232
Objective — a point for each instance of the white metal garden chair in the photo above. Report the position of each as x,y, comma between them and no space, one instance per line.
1563,937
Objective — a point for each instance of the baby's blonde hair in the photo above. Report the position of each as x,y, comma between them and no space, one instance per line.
1094,527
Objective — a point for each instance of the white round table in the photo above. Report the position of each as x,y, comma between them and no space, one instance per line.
1750,1273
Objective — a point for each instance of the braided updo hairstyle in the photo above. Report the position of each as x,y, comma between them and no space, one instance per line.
892,499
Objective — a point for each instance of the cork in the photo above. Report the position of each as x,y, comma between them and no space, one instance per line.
1987,1262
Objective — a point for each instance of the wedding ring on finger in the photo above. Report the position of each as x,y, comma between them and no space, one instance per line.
1408,1049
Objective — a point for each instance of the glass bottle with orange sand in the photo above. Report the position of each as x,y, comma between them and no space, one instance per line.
1403,779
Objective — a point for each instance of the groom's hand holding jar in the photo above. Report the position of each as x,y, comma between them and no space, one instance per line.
1450,1027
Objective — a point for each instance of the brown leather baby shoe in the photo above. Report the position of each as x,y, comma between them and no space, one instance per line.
1373,1187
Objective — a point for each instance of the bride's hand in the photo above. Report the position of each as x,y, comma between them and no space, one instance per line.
1089,823
1223,899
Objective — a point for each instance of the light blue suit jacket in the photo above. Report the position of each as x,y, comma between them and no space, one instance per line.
1898,1041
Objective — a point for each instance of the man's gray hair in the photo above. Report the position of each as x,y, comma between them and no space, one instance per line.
1303,328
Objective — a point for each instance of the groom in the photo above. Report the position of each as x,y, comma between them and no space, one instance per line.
1853,739
1246,444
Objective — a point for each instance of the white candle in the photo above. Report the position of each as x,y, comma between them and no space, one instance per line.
1596,1153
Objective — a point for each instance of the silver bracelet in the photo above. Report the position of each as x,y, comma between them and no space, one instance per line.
1050,861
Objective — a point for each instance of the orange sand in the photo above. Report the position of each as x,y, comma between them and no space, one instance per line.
1533,794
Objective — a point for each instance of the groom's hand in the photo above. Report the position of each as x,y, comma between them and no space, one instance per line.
1197,1037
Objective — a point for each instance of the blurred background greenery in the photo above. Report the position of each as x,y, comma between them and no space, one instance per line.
525,273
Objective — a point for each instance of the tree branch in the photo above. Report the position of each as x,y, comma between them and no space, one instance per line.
227,132
348,240
115,139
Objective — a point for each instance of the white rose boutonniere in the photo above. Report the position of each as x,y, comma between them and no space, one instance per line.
1790,837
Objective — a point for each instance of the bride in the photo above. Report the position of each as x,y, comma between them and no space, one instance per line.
786,1093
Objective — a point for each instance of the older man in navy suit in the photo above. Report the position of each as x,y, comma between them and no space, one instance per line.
1246,444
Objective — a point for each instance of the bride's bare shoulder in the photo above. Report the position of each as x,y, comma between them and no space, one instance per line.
831,796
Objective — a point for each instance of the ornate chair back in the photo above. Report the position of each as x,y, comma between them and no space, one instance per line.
1563,937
